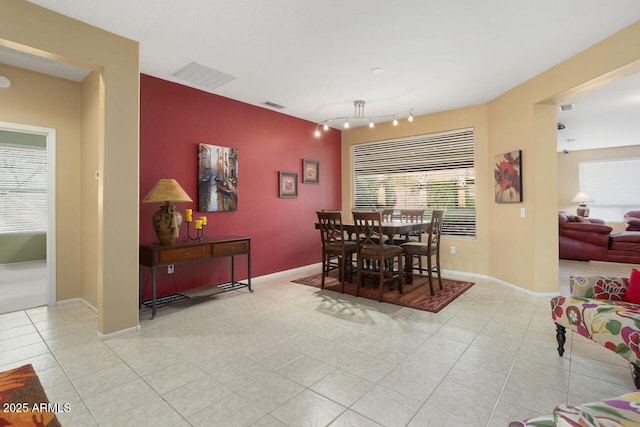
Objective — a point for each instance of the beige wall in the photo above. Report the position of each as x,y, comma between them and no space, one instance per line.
39,100
520,251
116,60
568,174
91,147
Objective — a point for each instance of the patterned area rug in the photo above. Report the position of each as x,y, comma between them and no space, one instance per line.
416,295
23,400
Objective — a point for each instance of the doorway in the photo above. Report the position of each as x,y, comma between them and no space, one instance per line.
30,281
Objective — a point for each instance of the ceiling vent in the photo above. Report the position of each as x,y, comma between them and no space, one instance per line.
273,105
567,107
203,76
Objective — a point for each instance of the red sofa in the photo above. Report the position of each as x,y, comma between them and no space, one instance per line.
588,239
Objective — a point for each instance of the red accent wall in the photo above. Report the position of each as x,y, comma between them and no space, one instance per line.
174,119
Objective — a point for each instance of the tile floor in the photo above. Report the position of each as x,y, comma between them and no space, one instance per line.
292,355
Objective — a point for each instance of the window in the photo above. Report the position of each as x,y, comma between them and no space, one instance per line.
613,185
23,189
433,171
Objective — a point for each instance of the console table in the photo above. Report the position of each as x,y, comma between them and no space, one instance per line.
154,256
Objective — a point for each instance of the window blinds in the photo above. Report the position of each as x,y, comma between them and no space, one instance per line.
432,171
23,189
613,185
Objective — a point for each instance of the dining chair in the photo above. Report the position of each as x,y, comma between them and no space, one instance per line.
411,215
337,251
381,257
387,215
429,249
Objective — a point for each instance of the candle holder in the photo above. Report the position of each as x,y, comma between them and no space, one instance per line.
200,225
199,233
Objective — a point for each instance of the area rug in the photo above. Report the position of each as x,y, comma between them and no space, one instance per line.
416,295
23,400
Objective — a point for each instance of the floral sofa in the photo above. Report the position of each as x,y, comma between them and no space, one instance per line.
604,309
618,411
607,311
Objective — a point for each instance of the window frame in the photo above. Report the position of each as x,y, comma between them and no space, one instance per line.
442,154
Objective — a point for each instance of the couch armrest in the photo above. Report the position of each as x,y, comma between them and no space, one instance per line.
632,219
598,287
585,227
593,234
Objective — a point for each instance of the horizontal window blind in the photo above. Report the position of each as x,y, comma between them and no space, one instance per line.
23,189
431,172
613,185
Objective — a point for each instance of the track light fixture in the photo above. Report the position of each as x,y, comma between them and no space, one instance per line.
358,116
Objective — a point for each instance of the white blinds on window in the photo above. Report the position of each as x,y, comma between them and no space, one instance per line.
23,189
613,185
433,171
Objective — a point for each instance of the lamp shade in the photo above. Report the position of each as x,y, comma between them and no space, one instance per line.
582,198
167,190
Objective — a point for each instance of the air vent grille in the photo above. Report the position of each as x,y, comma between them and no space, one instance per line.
203,76
273,105
567,107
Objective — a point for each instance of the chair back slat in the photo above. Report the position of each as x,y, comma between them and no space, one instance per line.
412,215
387,215
368,226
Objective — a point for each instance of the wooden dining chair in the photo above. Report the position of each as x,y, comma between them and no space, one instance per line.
381,257
411,215
337,251
429,249
387,215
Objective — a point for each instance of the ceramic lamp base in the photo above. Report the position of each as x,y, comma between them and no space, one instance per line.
166,227
583,210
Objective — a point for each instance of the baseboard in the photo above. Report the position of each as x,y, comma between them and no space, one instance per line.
69,301
104,337
288,272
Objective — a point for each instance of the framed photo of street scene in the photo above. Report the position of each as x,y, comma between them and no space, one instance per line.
217,178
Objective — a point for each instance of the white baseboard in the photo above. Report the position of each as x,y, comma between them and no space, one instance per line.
288,272
503,283
76,300
104,337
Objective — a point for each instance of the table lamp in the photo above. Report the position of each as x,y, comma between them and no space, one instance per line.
167,220
582,198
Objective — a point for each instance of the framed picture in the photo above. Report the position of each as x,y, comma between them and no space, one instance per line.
288,184
508,176
310,171
217,178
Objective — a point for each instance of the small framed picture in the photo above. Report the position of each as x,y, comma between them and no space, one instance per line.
310,171
288,184
508,177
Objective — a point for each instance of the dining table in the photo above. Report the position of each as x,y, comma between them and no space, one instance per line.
391,229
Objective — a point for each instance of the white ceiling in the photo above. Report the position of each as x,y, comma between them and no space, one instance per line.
315,58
